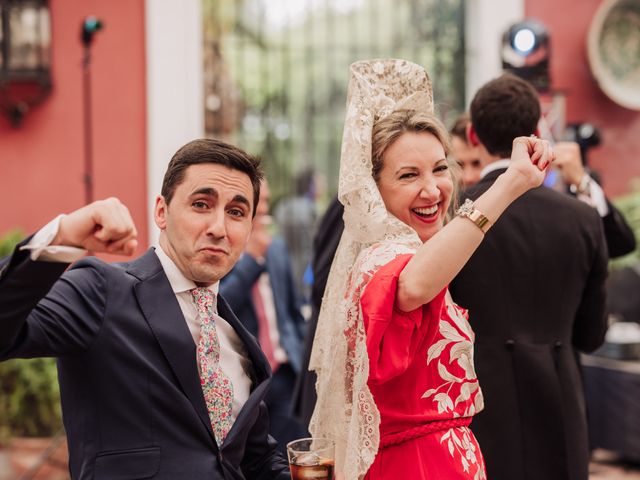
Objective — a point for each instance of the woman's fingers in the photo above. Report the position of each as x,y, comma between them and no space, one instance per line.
537,151
547,154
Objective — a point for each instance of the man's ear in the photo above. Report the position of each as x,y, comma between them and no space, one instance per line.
160,212
472,136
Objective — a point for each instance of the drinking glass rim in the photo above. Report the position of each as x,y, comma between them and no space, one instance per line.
330,443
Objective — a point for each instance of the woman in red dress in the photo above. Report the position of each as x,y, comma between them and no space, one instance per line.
393,353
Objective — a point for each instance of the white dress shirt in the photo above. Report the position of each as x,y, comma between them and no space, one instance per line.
234,360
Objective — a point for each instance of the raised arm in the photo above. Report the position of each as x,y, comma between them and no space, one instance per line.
444,254
38,315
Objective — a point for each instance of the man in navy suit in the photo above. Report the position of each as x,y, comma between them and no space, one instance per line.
125,335
261,292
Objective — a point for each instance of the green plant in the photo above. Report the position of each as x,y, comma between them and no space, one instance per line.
8,242
29,392
629,206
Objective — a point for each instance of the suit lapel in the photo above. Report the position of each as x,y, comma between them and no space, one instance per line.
162,312
260,372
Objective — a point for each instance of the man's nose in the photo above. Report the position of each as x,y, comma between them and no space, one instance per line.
467,177
217,227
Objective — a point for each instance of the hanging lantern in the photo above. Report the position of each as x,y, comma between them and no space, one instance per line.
25,56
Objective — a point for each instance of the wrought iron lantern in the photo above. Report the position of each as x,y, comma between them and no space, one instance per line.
25,56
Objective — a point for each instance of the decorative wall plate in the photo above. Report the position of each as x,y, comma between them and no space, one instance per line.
613,46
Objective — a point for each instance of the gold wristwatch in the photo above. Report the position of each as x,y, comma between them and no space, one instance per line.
468,210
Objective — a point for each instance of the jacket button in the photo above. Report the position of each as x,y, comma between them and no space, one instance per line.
510,344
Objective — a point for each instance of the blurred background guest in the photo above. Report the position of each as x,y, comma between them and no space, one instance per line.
569,161
325,244
262,294
296,219
464,152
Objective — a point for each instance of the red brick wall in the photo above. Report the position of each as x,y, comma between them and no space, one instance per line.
41,163
618,157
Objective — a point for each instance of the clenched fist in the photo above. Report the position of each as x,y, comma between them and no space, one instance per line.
103,226
530,158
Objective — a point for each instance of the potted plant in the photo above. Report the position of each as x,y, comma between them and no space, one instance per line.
29,392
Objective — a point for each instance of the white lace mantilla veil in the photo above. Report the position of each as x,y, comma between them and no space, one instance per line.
345,410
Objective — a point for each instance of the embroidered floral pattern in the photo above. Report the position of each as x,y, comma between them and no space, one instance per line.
459,390
459,443
216,386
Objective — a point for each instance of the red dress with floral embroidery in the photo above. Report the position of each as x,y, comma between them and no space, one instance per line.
421,371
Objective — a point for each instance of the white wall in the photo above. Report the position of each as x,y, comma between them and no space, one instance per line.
175,90
486,21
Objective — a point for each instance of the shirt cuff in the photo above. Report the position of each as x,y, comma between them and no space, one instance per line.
596,198
41,248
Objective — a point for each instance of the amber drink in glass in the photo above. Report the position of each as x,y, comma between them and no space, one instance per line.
311,459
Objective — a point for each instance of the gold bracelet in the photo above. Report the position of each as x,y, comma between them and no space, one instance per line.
468,210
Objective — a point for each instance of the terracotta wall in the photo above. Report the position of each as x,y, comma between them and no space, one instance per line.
618,157
41,163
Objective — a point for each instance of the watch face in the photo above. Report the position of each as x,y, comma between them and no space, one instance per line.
613,45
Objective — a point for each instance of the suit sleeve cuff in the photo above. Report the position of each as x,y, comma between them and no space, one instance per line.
40,247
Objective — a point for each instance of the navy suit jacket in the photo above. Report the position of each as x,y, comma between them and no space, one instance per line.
130,389
236,289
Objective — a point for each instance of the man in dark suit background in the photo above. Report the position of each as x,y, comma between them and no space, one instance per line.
134,402
325,244
617,232
535,292
261,291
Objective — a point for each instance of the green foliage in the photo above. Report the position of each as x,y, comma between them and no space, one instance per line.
280,71
629,206
29,392
29,398
8,241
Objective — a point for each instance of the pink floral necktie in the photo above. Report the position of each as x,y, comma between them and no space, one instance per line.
216,386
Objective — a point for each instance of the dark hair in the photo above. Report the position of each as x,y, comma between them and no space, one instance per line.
304,181
207,150
503,109
459,128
